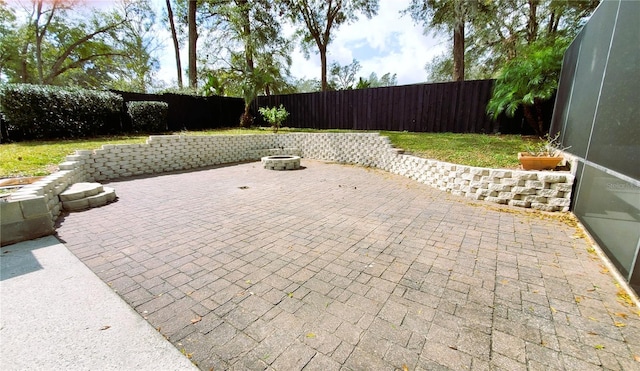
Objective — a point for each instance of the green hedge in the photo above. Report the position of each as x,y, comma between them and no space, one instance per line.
148,117
47,112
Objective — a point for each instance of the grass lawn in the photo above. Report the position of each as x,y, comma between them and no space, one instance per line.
36,158
482,150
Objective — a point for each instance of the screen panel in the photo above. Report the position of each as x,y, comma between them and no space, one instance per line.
609,208
592,59
615,142
565,85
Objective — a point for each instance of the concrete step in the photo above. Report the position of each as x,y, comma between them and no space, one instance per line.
80,190
83,196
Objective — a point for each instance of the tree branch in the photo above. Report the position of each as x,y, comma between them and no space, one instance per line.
60,60
79,63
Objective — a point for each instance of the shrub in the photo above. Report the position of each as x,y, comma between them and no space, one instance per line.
274,116
147,116
528,80
46,112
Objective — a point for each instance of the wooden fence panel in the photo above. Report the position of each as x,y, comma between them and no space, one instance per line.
442,107
191,112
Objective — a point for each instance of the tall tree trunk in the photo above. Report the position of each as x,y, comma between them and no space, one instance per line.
323,67
193,39
533,116
246,35
458,52
532,21
24,72
246,120
458,42
39,33
176,46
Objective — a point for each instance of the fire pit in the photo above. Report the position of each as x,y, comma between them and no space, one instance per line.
281,162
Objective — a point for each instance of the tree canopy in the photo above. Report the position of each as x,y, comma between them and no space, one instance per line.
495,31
58,43
316,19
346,78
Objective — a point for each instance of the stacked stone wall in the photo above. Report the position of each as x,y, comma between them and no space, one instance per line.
548,191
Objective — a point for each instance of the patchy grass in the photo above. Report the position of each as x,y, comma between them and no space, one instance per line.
483,150
35,158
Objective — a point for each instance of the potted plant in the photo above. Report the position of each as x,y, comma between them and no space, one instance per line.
274,115
542,156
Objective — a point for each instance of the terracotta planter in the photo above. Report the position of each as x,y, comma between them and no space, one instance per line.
529,162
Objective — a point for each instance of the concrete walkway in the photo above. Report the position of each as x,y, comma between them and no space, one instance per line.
344,268
55,314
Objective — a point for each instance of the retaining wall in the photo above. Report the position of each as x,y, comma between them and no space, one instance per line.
31,211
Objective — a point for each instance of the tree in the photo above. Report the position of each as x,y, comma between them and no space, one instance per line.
315,19
305,85
386,80
255,58
138,38
193,40
343,77
450,16
176,45
8,42
56,42
532,45
528,80
495,31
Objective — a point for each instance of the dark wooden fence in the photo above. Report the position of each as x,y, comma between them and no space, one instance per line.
442,107
187,112
458,107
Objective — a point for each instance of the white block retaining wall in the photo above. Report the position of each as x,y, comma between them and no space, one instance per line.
548,191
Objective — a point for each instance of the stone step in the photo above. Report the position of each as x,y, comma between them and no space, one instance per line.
80,190
103,197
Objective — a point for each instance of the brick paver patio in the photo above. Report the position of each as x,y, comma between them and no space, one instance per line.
344,268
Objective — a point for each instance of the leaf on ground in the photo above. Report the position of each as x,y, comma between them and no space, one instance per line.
618,324
405,368
106,327
196,320
624,297
578,299
599,346
622,315
553,310
594,319
636,358
592,333
311,335
504,282
290,294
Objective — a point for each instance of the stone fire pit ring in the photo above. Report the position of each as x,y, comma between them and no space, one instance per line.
281,162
